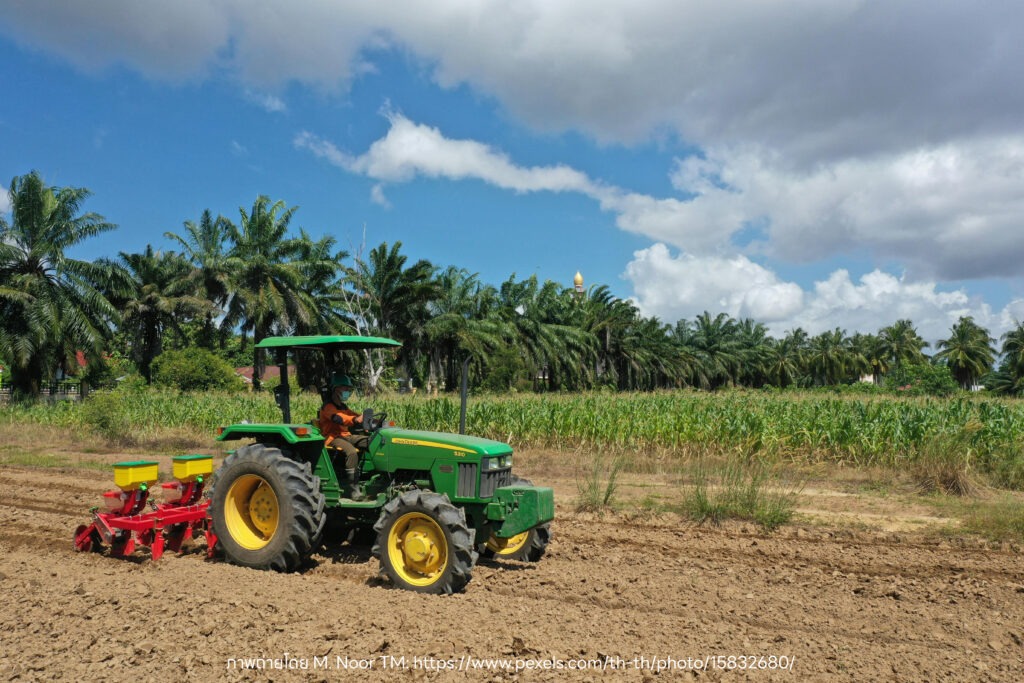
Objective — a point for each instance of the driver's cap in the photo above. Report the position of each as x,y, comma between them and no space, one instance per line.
340,380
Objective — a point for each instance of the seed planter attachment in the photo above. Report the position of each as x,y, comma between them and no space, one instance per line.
128,523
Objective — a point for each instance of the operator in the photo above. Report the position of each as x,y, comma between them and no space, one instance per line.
336,421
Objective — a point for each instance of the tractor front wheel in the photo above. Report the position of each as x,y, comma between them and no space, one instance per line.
267,509
424,544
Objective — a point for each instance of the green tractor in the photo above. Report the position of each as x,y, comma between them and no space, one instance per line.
430,503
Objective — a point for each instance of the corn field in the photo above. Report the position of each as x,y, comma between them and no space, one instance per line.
796,427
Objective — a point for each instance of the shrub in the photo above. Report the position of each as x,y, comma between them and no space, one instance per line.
922,379
598,484
737,489
194,370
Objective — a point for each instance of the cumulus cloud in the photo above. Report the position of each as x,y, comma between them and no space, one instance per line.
5,201
817,80
683,286
951,211
890,128
174,41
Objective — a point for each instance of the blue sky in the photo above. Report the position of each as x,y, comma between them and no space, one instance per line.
803,163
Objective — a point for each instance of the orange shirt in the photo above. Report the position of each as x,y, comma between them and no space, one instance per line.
332,429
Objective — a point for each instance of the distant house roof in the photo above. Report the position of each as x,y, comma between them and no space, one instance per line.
269,373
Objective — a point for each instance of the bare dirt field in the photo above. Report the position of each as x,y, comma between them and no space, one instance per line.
616,596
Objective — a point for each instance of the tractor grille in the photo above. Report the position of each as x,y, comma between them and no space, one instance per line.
494,480
467,480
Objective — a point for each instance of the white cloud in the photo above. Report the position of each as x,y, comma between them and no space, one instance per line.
889,128
951,210
175,40
378,197
411,149
5,201
816,80
269,103
683,286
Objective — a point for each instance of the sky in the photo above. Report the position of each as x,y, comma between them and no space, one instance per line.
806,163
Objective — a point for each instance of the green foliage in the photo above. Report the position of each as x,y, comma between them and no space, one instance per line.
599,482
945,463
194,370
738,489
106,370
1001,519
507,371
921,379
51,305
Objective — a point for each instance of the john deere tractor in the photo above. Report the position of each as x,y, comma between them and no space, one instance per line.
430,503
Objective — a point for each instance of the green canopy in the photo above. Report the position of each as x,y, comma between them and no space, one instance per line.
328,342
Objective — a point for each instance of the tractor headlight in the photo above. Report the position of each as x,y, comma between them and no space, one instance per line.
498,463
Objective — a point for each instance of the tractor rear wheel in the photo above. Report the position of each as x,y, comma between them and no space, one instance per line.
424,544
267,509
528,546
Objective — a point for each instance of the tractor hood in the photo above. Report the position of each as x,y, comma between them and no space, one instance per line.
455,444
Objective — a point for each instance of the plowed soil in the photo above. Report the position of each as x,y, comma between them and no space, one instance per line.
614,596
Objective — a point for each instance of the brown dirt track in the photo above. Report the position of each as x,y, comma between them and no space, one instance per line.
844,605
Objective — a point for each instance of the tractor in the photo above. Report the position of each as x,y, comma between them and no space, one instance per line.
430,503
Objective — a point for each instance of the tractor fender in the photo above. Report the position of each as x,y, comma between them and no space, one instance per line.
288,433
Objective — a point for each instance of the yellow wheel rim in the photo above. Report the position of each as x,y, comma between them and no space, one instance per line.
507,546
251,512
417,549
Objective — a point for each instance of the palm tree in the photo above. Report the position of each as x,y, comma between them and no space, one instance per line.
900,343
210,277
462,324
784,361
870,348
160,297
387,298
716,341
266,278
969,351
1009,378
694,367
754,352
537,320
51,305
828,357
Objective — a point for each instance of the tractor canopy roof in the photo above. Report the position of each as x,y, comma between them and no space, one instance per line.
328,342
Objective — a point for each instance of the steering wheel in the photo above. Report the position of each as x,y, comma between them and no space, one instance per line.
373,421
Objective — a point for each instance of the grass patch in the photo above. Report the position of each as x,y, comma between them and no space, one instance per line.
944,464
598,483
47,460
994,517
738,489
1000,519
35,460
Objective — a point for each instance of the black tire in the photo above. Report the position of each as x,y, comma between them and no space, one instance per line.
448,562
530,550
263,531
